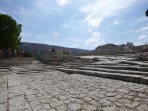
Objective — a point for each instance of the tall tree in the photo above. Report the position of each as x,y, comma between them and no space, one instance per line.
146,13
9,32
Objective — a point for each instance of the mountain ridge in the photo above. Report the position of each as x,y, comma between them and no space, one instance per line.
38,48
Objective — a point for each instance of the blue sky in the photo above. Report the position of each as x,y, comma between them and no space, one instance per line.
83,24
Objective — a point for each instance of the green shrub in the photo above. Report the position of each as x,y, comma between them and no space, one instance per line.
28,54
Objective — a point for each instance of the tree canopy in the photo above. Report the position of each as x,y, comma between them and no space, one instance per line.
146,13
9,32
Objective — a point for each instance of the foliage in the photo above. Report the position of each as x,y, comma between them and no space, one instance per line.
146,13
28,54
9,32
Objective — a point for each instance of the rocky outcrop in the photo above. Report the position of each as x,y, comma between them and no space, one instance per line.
112,49
107,49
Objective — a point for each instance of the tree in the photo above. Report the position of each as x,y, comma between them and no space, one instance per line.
146,13
9,32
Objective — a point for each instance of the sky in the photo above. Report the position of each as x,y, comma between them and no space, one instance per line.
83,24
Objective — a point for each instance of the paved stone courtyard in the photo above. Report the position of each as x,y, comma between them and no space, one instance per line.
38,87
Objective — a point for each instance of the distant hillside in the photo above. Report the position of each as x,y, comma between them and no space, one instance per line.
41,49
112,49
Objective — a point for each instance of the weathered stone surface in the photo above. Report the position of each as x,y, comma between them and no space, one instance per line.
109,108
74,107
90,108
3,107
142,107
62,108
123,90
52,90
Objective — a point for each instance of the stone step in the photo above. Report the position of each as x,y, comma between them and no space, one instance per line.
16,61
112,70
110,64
4,67
142,64
118,67
117,76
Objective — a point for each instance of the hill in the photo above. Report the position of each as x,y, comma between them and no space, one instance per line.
112,49
41,49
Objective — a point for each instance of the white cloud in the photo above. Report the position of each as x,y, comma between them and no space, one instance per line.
143,37
138,43
63,2
101,9
107,8
116,22
95,39
143,29
93,21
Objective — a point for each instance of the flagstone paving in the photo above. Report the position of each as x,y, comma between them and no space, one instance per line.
39,87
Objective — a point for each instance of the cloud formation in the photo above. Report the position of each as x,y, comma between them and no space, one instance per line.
63,2
107,8
95,39
93,21
143,37
143,29
102,9
116,22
